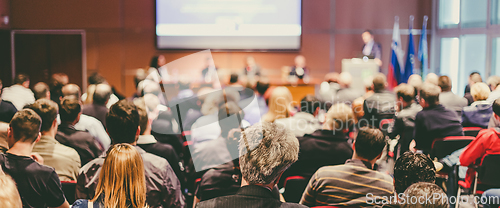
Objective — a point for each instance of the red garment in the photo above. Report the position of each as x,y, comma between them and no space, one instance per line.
487,142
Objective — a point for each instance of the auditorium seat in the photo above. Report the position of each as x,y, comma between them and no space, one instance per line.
294,187
486,174
442,147
69,189
472,131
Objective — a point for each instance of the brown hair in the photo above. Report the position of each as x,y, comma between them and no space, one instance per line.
122,182
26,125
279,104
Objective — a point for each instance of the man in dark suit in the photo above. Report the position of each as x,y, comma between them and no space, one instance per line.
266,150
372,48
299,70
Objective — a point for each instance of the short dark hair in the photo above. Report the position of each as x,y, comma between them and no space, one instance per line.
424,190
102,94
369,143
234,78
430,93
21,78
411,168
26,125
405,91
262,87
184,84
143,118
46,110
227,110
309,104
496,107
379,82
445,83
40,90
96,78
368,31
122,122
70,108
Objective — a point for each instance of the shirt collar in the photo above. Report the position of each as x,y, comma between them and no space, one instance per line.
146,139
361,163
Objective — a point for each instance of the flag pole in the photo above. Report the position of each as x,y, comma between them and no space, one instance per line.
425,20
411,21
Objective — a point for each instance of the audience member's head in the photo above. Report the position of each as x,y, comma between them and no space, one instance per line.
266,151
184,84
411,168
122,182
71,90
310,104
496,107
405,93
24,127
475,77
233,79
418,192
47,110
22,79
140,75
262,86
143,115
229,109
279,104
379,82
102,94
70,110
444,83
369,144
432,78
58,80
480,91
122,122
415,81
493,81
41,90
345,79
157,61
95,78
429,95
9,196
333,77
339,118
368,82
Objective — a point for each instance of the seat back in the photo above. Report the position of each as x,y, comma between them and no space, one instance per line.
384,125
447,145
472,131
489,170
294,187
69,189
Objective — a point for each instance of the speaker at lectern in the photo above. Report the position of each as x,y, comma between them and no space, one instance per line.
360,69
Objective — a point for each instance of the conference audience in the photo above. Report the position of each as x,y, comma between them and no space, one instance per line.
478,114
87,123
41,90
380,105
434,121
265,151
38,185
305,121
162,186
97,108
279,105
412,168
122,182
19,94
83,142
447,98
348,184
330,145
346,94
65,160
7,109
404,121
9,196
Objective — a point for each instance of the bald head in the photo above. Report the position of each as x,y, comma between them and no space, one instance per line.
71,90
101,94
41,90
345,79
432,78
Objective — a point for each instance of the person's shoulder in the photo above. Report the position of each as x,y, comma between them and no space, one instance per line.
487,133
152,160
80,203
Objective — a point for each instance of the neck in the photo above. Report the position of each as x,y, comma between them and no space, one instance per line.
21,149
268,186
356,157
50,133
406,104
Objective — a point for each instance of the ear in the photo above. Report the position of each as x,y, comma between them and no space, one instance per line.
354,145
138,132
496,117
54,123
316,111
38,138
379,155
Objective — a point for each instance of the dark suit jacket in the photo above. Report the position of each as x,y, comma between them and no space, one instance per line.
376,50
248,197
96,111
84,143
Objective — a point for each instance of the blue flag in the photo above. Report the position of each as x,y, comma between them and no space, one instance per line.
410,59
423,50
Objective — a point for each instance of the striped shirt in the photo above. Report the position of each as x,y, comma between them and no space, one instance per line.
351,184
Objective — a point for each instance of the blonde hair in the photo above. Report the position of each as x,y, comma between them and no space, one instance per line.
122,182
279,104
480,91
9,196
339,117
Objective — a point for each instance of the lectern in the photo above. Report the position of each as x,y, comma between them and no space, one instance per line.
360,69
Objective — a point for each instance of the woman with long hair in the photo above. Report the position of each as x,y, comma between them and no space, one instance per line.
122,183
279,105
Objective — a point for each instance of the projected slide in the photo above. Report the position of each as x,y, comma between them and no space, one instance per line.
228,24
